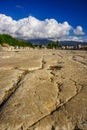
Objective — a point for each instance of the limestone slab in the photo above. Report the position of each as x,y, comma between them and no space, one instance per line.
8,83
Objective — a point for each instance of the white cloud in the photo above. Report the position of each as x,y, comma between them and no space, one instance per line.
78,31
6,24
31,27
72,38
19,6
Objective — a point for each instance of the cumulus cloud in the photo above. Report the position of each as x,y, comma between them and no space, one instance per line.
73,38
78,31
31,27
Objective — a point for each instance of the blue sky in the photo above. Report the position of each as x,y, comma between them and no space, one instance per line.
74,12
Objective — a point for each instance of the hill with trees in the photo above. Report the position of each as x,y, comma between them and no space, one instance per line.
5,38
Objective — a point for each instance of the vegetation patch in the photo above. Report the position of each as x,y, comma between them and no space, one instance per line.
55,45
56,67
7,40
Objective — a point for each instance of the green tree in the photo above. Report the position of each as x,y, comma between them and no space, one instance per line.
55,45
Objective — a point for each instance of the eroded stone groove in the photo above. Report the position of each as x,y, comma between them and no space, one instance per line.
58,107
12,90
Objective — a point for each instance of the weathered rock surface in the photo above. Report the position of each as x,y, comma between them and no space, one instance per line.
43,90
8,83
20,60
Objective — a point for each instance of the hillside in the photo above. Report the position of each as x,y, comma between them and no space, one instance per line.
5,38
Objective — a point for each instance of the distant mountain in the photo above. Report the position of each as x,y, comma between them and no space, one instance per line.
63,43
72,43
40,41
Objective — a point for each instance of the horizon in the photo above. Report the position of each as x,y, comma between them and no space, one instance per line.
38,19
